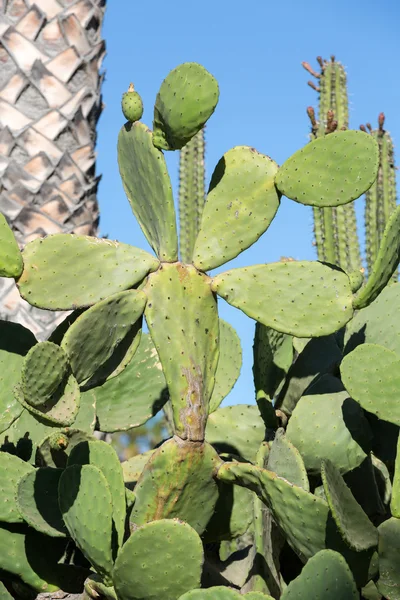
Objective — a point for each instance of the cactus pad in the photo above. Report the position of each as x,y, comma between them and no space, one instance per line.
236,429
218,592
385,264
12,469
371,375
257,596
86,505
331,170
241,203
354,526
186,100
43,371
178,481
84,270
136,395
11,264
229,364
148,188
395,496
286,461
133,468
93,337
37,501
283,296
273,356
182,317
103,456
15,342
327,424
388,583
162,559
4,593
326,576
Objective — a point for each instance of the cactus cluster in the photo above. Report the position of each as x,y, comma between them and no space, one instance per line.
289,498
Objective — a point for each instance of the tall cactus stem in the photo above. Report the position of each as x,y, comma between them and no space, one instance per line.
191,193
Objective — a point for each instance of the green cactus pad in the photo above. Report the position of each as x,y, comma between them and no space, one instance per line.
229,364
283,296
388,583
327,424
61,408
286,461
385,265
273,355
43,371
95,335
12,469
318,357
241,203
326,576
136,395
218,592
162,559
132,105
182,317
148,187
354,526
84,270
236,429
103,456
95,588
86,505
257,596
37,501
178,481
371,375
54,449
133,468
331,170
395,499
11,264
186,100
4,593
15,342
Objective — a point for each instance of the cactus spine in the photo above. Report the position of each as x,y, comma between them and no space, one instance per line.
191,193
335,229
380,199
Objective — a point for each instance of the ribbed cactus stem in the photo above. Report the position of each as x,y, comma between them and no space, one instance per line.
191,193
335,229
380,200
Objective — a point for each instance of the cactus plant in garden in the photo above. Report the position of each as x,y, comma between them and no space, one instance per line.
278,500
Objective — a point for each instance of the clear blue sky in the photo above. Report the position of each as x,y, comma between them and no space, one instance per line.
254,49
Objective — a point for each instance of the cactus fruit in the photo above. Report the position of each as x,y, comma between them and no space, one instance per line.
132,105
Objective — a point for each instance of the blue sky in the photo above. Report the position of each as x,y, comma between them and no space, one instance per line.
255,50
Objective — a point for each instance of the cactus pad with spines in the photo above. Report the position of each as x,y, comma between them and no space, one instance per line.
353,524
101,455
218,592
257,596
88,515
12,469
326,423
241,203
283,296
162,559
178,482
395,495
136,395
15,343
371,375
11,264
4,593
229,364
84,270
330,171
133,467
326,576
286,461
94,336
43,371
182,317
148,188
273,356
385,265
236,429
186,100
37,501
388,583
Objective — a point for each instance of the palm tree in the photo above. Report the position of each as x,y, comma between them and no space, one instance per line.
50,101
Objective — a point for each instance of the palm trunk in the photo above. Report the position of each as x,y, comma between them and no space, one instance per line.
50,101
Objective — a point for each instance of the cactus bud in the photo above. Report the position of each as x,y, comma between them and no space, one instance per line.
381,121
132,105
58,441
363,128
